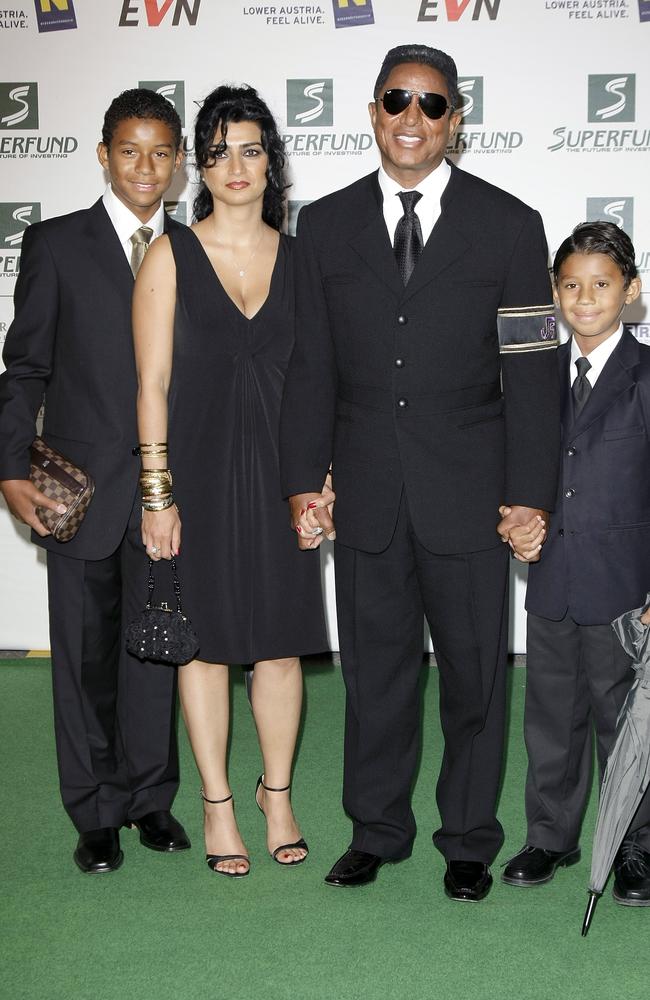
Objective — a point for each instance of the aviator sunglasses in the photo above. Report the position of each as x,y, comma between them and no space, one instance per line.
397,100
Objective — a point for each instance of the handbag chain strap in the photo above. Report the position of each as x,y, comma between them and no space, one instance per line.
177,587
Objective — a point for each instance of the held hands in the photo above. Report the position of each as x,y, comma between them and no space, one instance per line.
23,498
524,529
645,617
311,516
161,533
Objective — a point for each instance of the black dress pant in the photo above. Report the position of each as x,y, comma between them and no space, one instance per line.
577,678
114,715
381,600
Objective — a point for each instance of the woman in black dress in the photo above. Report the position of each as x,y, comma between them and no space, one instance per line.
213,324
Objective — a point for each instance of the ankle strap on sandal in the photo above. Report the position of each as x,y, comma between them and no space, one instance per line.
267,788
215,802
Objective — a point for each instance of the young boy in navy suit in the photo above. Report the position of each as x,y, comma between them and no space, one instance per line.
70,345
594,566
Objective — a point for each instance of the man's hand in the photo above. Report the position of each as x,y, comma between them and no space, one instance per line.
311,516
645,617
23,498
524,529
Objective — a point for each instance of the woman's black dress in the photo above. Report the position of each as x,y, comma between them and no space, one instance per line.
250,592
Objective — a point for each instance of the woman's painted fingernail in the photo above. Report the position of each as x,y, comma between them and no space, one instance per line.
310,506
299,529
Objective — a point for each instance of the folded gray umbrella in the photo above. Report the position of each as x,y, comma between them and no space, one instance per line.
628,766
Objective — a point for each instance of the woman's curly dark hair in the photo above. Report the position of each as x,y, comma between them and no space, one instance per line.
240,104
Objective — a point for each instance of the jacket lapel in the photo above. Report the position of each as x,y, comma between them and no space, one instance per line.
371,240
105,247
616,377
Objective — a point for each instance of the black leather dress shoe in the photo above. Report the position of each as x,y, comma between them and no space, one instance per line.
468,881
98,851
535,865
159,831
355,868
632,875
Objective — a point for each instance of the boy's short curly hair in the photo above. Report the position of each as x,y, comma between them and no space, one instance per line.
141,103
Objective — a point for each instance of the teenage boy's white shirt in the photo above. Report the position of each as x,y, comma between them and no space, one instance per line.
597,358
125,222
427,208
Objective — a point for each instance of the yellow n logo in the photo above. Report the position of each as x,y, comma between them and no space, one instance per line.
46,5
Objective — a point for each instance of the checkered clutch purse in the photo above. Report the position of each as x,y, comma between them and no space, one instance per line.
60,480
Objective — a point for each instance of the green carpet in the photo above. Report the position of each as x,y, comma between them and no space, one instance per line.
164,927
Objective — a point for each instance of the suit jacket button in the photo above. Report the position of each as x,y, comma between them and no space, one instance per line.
569,493
402,403
561,532
399,362
402,320
572,451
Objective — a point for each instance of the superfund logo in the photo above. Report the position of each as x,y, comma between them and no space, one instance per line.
310,102
19,112
18,105
310,105
470,89
468,139
15,216
617,209
610,100
611,97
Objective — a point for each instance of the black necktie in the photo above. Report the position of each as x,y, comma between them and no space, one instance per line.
581,386
408,235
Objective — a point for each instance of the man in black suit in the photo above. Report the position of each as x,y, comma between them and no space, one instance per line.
424,371
70,347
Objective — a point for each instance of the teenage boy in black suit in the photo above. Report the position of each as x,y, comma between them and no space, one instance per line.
70,347
424,371
595,564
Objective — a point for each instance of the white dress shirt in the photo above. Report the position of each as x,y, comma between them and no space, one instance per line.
427,208
597,358
126,223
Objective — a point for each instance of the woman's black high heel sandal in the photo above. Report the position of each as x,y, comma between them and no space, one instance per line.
283,847
214,859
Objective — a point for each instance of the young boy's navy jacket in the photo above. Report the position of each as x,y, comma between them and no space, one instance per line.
595,563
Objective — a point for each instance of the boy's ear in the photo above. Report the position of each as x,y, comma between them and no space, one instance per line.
102,154
556,297
633,290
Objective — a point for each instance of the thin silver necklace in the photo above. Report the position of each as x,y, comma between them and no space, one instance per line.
238,266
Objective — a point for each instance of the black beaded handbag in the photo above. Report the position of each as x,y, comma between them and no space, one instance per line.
160,633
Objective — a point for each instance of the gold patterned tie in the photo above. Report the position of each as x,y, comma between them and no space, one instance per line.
140,242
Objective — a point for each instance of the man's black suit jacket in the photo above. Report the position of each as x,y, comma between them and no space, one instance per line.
70,345
596,562
448,386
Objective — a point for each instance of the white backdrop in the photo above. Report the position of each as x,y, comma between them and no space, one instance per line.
557,102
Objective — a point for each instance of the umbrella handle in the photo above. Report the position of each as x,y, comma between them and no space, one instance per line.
589,912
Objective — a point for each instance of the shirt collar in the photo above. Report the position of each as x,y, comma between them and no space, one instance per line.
597,358
431,186
125,222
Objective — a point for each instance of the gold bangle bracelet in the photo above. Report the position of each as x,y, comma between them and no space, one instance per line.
159,504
